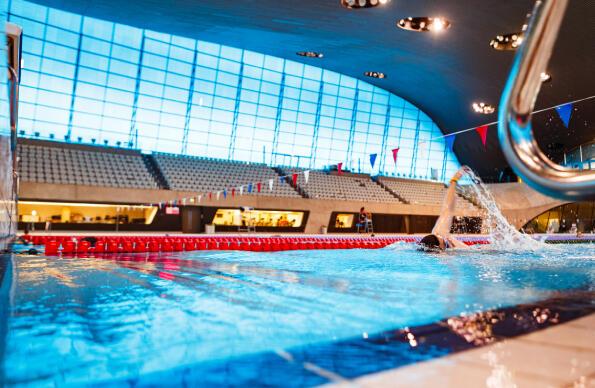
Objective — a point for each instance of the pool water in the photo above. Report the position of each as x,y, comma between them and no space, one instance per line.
128,319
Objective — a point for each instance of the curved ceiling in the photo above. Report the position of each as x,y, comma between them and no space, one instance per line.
440,73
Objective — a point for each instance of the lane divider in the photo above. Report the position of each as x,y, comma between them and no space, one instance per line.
78,245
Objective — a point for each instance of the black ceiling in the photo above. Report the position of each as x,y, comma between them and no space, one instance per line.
442,74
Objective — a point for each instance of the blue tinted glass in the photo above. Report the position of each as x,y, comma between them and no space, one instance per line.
107,81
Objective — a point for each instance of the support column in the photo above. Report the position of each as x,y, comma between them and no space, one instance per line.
189,102
314,146
75,80
236,112
279,112
133,134
415,148
384,139
352,127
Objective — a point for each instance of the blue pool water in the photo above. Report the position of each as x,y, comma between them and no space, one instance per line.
96,320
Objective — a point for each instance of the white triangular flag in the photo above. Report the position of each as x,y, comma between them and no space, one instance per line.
199,198
306,176
218,194
183,201
241,190
271,184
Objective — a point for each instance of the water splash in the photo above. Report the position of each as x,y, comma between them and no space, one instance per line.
501,234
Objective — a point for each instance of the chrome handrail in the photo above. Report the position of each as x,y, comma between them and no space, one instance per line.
516,107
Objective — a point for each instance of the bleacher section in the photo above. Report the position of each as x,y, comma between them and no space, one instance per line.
422,192
62,163
346,187
207,175
48,162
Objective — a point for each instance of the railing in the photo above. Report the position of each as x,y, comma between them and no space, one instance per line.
516,107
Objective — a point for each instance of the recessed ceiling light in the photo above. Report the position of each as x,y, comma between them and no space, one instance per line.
375,74
424,24
507,42
483,108
545,77
354,4
310,54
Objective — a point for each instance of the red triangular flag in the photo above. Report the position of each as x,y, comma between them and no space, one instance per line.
294,179
483,133
210,195
233,192
258,186
395,152
339,168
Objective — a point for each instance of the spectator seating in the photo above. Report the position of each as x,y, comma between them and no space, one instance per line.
347,187
205,174
422,192
48,162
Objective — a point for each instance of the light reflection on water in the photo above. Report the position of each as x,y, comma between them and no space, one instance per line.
76,320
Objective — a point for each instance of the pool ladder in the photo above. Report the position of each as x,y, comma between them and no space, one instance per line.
517,104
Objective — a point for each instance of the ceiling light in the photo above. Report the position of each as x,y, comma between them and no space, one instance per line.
545,77
507,42
353,4
375,74
483,108
310,54
424,24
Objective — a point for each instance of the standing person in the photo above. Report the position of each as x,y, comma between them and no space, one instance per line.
364,218
440,239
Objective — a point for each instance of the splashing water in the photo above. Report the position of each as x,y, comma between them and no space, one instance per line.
501,234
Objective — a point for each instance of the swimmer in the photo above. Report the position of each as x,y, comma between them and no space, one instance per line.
440,238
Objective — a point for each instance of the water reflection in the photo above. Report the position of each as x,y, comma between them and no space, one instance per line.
122,316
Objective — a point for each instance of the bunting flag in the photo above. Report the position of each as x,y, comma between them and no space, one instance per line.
395,152
450,141
183,201
373,159
224,193
233,192
271,181
241,190
281,179
160,205
339,168
258,185
218,194
294,179
306,176
210,195
249,187
199,198
483,133
565,111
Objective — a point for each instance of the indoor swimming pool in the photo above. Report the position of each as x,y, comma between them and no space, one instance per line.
293,318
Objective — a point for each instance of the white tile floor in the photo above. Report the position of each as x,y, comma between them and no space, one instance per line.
561,356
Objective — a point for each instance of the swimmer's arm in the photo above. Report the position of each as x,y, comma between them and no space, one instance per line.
444,222
456,243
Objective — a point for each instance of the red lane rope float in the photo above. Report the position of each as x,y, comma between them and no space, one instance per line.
73,245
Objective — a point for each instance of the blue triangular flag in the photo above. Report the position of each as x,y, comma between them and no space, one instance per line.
224,193
565,111
282,179
373,159
450,141
249,187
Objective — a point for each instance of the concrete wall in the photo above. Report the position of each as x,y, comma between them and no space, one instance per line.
520,203
320,210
